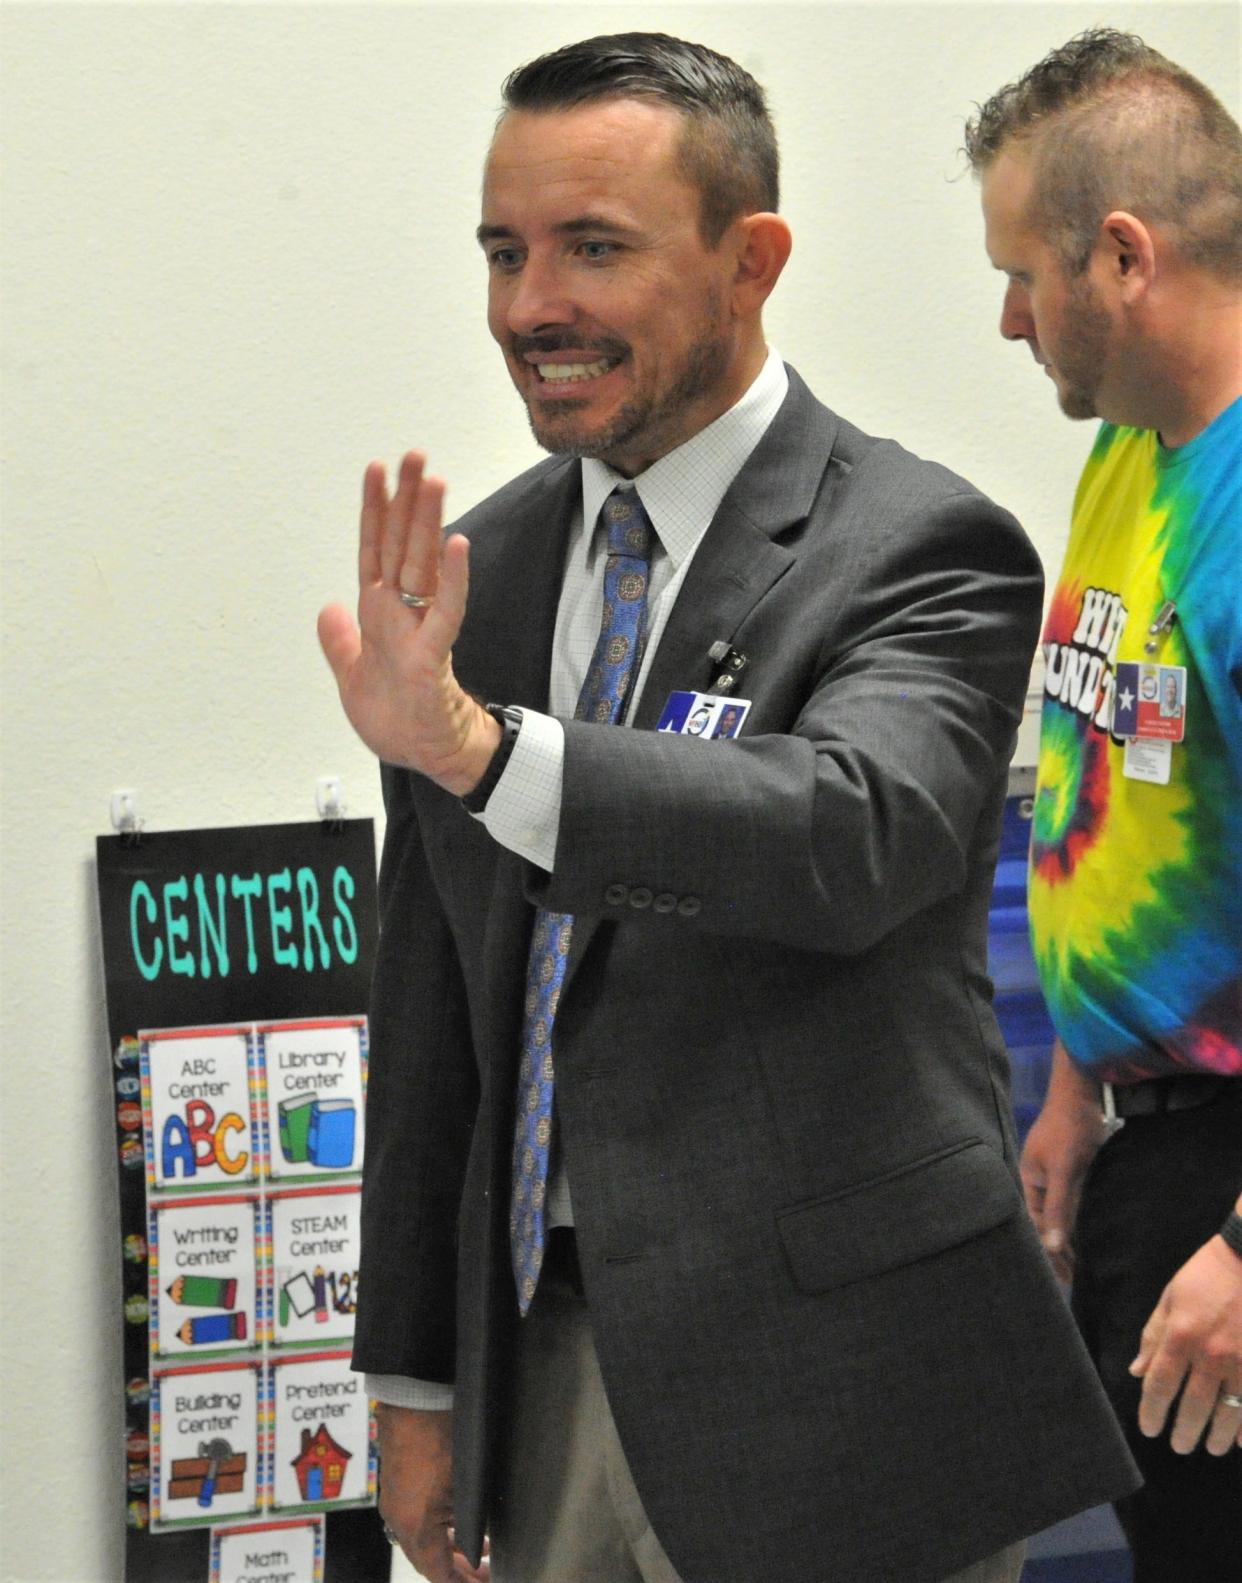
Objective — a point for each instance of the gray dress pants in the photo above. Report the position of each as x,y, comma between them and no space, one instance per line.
569,1511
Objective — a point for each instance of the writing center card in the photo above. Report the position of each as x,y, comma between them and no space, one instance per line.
322,1440
277,1552
205,1425
196,1100
315,1243
315,1076
204,1276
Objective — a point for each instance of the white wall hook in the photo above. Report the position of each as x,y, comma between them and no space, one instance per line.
330,797
125,811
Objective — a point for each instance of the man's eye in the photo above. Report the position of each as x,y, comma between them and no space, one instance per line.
504,258
596,251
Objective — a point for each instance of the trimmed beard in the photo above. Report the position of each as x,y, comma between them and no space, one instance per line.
1084,334
702,371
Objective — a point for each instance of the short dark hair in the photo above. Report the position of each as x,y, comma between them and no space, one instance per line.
1112,124
728,150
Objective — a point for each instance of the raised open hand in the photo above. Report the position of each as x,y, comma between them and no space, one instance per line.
394,667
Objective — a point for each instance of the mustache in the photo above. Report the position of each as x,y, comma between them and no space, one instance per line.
561,340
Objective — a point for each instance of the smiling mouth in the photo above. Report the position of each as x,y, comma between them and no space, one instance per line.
560,374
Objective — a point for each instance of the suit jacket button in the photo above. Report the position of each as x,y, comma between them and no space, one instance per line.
688,906
665,902
640,896
617,895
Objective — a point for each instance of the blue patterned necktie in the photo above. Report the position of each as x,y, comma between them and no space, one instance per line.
602,699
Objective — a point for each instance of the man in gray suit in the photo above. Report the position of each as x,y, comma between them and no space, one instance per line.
692,1245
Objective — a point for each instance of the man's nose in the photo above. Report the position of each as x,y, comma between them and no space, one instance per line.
1016,322
539,300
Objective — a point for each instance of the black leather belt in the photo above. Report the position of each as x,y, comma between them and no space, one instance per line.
1158,1096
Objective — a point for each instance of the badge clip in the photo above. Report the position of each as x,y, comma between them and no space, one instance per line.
733,661
1165,617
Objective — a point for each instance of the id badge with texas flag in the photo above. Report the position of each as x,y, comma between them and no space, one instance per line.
1149,702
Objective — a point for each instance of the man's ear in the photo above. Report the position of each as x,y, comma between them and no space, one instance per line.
1127,250
762,243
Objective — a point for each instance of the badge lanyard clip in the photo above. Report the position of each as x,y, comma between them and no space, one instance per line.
734,662
1165,617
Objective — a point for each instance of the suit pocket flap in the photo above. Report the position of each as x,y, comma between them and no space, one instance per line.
924,1208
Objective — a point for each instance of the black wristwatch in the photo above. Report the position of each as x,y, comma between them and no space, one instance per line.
510,722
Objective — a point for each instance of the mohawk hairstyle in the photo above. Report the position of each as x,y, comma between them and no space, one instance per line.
1110,123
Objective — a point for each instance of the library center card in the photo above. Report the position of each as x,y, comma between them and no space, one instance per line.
315,1078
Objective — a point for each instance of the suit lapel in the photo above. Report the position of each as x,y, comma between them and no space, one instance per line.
738,561
740,557
504,652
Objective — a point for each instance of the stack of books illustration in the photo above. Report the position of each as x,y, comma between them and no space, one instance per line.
318,1132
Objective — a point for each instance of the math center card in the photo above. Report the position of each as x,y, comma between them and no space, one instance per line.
322,1439
279,1552
204,1276
314,1074
196,1100
315,1243
205,1432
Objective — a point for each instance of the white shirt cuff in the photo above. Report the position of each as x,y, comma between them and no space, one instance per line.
524,811
398,1390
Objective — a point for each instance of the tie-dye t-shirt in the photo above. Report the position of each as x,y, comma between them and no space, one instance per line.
1136,888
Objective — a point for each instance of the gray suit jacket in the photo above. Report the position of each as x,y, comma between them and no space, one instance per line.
828,1333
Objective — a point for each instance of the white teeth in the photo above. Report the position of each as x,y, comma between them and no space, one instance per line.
573,371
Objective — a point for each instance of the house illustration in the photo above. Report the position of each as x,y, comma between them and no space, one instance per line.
320,1466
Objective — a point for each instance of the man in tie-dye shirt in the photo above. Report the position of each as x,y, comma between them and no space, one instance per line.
1112,194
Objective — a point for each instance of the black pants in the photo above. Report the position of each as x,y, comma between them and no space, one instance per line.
1156,1192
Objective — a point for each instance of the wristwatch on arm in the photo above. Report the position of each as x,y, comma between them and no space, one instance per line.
1231,1231
509,720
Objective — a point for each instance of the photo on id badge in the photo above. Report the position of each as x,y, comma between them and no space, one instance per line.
703,715
1149,718
1149,702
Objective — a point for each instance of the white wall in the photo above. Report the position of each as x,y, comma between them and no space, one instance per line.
237,262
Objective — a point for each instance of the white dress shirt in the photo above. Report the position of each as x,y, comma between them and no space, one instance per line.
681,493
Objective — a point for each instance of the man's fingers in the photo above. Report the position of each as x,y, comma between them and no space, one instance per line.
1198,1403
471,1574
467,1573
432,1556
419,571
339,640
1056,1215
398,517
1056,1222
443,620
371,523
1034,1190
1226,1427
1163,1368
